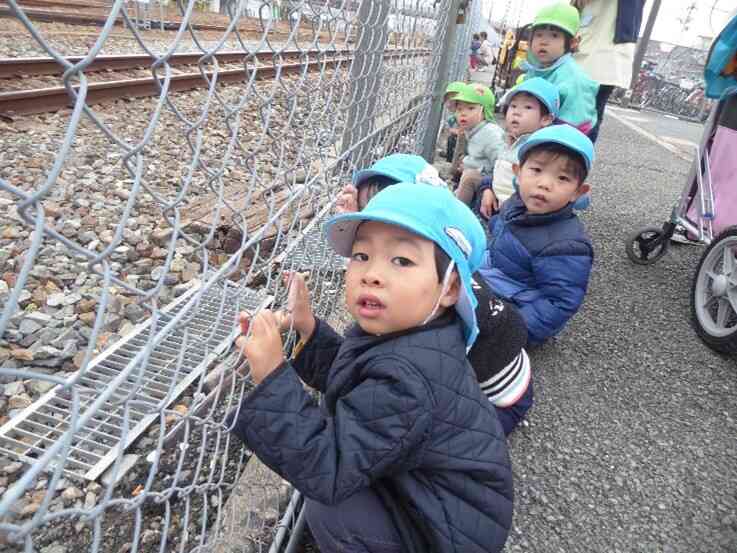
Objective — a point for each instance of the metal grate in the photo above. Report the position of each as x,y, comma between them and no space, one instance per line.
209,329
308,250
314,253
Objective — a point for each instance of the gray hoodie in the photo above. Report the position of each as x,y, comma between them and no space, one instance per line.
484,144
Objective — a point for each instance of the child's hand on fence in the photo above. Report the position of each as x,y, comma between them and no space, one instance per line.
489,203
347,200
263,348
299,311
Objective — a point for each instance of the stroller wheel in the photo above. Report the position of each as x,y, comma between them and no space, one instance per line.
647,245
714,294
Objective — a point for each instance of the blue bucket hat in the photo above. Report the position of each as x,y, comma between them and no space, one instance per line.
545,91
565,135
401,168
439,217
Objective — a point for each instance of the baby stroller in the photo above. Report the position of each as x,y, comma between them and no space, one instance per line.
707,207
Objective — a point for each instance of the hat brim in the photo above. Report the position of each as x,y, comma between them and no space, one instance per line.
556,24
512,92
470,98
365,174
340,232
532,142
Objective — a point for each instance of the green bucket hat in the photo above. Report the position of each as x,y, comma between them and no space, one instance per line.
475,93
561,15
455,87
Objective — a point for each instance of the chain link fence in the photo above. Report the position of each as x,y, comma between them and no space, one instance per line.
137,225
458,69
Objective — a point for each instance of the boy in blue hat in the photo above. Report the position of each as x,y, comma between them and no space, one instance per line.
554,36
498,357
388,170
528,107
540,255
405,453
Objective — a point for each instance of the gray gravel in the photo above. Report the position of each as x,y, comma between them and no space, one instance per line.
631,443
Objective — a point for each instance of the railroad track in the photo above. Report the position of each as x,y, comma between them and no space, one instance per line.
49,16
95,14
40,100
38,66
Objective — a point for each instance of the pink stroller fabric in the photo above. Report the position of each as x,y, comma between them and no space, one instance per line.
723,162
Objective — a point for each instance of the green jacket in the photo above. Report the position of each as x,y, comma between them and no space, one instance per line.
577,90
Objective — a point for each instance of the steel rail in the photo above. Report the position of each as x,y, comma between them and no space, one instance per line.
47,16
41,100
36,66
68,4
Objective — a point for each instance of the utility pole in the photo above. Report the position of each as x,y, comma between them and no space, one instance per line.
644,41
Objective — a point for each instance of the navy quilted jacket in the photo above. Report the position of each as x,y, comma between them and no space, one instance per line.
402,414
541,263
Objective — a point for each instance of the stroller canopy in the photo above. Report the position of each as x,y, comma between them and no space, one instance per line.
720,72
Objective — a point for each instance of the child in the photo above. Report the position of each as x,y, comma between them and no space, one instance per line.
391,169
452,121
540,256
527,107
486,52
554,33
484,138
475,47
498,357
405,453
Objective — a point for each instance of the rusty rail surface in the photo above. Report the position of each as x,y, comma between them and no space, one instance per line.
37,66
67,4
89,19
41,100
74,12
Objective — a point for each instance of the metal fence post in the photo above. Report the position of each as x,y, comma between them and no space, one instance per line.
436,110
366,73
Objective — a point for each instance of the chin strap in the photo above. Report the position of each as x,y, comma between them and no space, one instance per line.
443,290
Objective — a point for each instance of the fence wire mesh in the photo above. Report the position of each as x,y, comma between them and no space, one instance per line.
458,67
138,222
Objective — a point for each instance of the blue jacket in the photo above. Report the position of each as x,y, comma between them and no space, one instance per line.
577,90
403,414
541,263
629,19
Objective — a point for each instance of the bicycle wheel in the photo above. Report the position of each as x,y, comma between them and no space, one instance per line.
714,294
